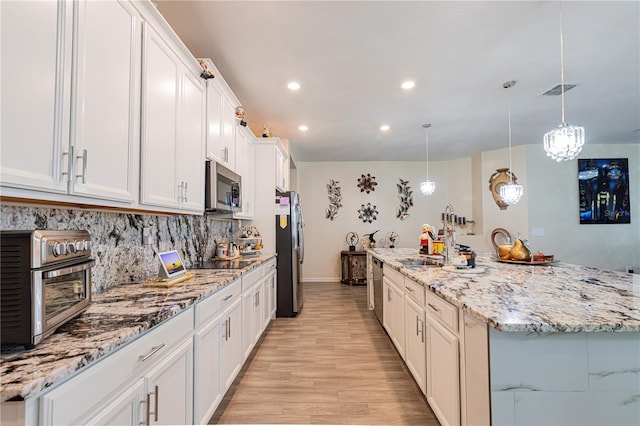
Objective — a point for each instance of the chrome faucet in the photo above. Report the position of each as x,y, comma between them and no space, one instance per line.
449,230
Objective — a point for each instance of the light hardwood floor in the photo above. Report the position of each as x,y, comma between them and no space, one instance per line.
333,364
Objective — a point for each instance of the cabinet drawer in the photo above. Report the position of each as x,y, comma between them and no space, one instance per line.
76,398
394,276
415,290
207,308
270,266
252,277
443,311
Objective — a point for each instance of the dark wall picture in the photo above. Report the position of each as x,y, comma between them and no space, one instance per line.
604,190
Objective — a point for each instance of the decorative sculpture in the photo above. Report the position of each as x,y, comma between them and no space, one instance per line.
367,183
352,240
406,199
367,213
498,178
335,199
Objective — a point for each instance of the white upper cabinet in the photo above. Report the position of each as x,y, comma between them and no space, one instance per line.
80,116
172,130
105,119
221,125
191,147
245,159
36,59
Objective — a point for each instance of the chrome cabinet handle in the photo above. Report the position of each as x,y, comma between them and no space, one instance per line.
153,351
83,157
433,307
155,412
67,154
227,298
186,191
409,288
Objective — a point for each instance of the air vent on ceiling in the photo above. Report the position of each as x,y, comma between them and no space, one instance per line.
557,90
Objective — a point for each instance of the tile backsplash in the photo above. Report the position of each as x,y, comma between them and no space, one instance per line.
117,238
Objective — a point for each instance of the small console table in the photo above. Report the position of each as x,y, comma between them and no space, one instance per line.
353,267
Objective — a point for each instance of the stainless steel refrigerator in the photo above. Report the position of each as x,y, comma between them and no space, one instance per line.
290,249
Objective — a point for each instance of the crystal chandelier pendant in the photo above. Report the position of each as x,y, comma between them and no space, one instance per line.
511,192
564,142
428,187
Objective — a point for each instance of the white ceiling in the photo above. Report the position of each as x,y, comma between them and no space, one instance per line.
351,56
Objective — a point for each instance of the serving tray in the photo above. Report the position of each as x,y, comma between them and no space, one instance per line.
527,262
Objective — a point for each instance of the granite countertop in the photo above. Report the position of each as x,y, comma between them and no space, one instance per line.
115,317
557,297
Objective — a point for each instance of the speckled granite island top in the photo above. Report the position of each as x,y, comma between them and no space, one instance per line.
114,318
557,297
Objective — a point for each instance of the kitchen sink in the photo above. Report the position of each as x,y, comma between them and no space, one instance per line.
422,262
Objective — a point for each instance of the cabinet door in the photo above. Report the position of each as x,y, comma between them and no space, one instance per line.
231,344
207,393
248,323
229,132
215,146
280,179
36,80
159,111
415,348
106,101
443,384
170,390
126,409
272,294
191,144
393,314
258,318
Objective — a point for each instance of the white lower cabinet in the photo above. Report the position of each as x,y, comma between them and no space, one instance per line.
123,385
443,360
169,399
271,291
415,346
231,358
208,392
126,409
176,373
393,313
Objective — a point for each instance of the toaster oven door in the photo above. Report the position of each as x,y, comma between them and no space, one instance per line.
63,293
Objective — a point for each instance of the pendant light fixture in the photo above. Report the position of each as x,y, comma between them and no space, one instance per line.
511,192
428,186
565,141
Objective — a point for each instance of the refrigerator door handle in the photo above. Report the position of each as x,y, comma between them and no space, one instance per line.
301,238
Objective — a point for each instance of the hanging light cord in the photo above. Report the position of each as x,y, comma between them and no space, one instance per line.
561,65
510,169
427,153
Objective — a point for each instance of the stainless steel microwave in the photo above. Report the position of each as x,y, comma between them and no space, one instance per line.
222,189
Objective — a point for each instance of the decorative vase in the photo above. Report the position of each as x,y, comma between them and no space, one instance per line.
498,178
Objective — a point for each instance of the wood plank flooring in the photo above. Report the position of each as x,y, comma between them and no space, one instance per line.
333,364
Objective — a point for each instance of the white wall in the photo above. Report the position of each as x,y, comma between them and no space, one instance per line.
553,205
324,238
550,202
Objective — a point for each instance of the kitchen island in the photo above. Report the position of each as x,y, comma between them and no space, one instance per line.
562,341
121,317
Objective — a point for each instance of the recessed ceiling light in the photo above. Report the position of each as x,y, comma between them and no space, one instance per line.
293,85
408,85
384,127
303,128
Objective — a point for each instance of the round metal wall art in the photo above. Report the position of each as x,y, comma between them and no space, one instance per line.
367,213
367,183
335,199
406,199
